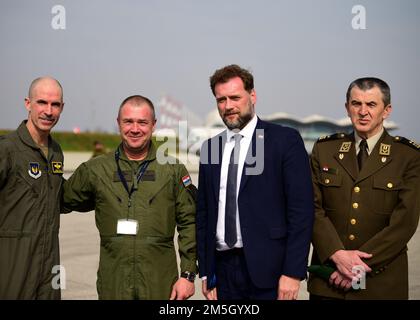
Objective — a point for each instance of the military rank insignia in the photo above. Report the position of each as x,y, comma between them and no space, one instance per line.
34,170
57,167
186,181
345,147
407,142
323,138
332,137
385,149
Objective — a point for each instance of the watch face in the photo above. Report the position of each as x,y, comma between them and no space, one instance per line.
190,276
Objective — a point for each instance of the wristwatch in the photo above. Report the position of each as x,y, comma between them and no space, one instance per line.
190,276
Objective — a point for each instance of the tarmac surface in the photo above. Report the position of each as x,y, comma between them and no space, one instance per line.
79,245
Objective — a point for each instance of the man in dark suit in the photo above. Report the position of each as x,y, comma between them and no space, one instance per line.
255,201
367,207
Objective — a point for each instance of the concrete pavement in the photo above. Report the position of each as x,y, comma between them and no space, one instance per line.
79,245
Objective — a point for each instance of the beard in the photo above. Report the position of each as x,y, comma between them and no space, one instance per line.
241,121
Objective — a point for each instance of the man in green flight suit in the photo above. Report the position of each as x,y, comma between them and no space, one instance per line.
31,169
139,200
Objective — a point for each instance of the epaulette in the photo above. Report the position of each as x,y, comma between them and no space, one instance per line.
407,142
335,136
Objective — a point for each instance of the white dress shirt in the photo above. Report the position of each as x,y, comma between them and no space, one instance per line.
245,142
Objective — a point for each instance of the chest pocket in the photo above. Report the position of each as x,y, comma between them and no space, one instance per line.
28,185
385,194
331,190
330,180
160,189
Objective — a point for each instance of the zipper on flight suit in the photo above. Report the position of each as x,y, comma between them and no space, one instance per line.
44,236
137,176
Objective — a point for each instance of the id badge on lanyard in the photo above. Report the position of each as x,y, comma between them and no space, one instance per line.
128,226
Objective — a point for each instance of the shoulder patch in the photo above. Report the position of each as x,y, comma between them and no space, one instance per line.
335,136
407,142
186,180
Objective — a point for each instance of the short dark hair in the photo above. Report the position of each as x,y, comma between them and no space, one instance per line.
367,84
224,74
137,100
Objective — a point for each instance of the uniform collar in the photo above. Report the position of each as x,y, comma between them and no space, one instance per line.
371,142
151,154
26,137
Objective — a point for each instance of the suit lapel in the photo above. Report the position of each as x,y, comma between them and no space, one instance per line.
218,145
251,153
376,160
347,159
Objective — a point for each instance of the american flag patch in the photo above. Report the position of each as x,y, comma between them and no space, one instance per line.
186,180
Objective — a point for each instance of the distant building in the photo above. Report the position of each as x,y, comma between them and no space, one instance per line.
176,121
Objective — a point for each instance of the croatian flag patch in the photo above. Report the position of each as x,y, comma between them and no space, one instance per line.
186,180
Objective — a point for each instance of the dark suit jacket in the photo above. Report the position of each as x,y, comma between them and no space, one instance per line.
275,206
375,210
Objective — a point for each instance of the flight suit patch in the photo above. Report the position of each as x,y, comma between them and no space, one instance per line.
186,180
57,167
128,175
149,175
34,170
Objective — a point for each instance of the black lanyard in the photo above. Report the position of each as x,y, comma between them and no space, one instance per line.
140,174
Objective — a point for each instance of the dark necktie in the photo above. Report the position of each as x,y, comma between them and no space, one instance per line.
363,154
230,211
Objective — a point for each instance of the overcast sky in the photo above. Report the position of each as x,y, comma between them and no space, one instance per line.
303,54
